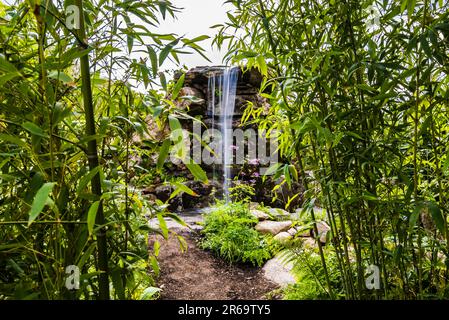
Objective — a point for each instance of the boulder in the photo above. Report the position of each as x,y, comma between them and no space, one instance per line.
253,205
282,237
323,229
279,214
297,214
163,192
278,272
259,214
292,231
309,243
273,227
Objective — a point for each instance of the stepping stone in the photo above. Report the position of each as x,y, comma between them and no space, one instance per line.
278,272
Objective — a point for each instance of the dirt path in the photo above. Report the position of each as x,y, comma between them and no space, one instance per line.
198,275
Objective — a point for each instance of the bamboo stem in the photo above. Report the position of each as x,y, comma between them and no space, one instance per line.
93,160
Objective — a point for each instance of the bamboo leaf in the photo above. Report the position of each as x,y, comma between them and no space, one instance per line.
86,179
61,76
185,189
91,215
163,80
163,225
262,65
163,153
40,200
197,172
13,139
8,76
153,59
178,86
7,67
149,293
437,217
165,52
34,129
176,218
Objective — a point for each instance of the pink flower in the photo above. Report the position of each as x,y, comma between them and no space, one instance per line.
254,161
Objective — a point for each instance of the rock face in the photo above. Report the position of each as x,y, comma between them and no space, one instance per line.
273,227
196,83
194,99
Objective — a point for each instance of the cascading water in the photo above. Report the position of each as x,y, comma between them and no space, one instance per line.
227,86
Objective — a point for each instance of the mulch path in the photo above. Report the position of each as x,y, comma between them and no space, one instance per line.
199,275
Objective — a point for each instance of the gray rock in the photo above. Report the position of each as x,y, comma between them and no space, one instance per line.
278,213
282,237
292,231
297,232
297,213
259,214
323,229
253,205
278,272
273,227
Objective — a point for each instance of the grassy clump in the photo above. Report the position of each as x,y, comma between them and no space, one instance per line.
229,233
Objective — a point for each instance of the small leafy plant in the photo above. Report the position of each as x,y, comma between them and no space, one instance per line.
242,192
229,233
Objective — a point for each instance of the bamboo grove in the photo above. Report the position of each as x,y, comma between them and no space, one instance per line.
359,97
69,119
360,93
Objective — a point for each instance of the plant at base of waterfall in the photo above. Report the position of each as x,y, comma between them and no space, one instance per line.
241,192
229,233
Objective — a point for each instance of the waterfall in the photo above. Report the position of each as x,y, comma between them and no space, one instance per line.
227,86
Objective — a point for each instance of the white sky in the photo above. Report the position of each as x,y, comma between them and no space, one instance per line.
195,19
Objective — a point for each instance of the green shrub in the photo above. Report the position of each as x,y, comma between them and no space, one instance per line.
310,277
229,233
242,192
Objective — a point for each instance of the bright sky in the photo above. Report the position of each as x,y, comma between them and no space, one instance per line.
195,19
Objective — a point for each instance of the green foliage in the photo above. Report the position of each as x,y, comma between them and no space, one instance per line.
68,100
362,111
310,276
241,192
229,233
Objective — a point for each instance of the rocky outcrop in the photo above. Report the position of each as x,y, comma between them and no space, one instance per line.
194,99
194,96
